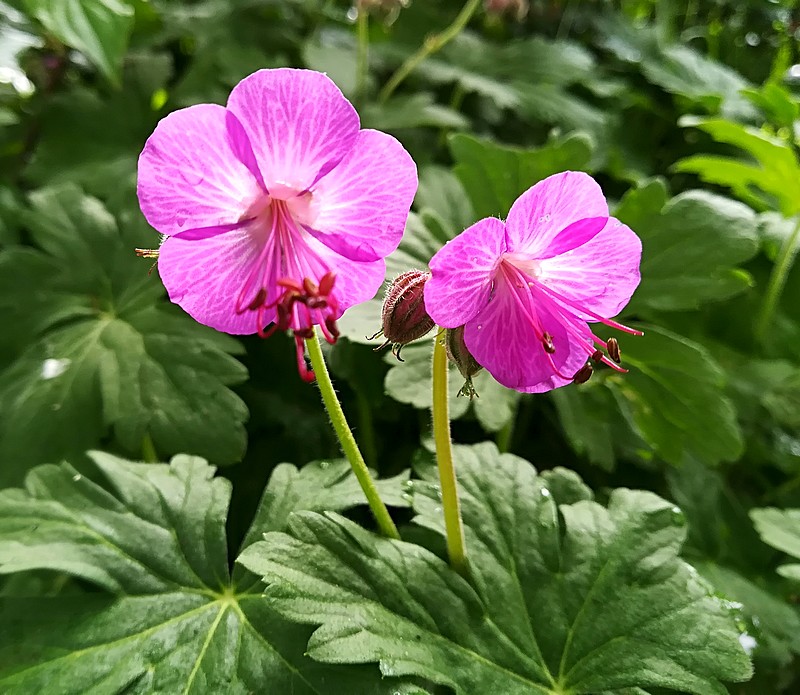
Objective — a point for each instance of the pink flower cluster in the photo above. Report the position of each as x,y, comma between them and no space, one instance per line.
278,212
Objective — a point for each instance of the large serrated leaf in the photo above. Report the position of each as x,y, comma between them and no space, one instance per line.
576,599
175,622
100,351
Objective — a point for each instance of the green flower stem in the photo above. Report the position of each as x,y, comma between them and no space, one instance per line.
431,45
454,528
347,441
149,454
362,56
783,264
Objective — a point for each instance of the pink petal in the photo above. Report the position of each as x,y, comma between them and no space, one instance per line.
539,215
356,282
299,123
363,203
462,272
205,276
191,171
600,275
503,341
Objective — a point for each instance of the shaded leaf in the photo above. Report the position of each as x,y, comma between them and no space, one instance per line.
101,351
691,245
673,398
495,175
175,622
98,28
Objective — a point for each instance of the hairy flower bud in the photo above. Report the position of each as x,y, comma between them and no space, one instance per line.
387,9
404,316
497,8
459,354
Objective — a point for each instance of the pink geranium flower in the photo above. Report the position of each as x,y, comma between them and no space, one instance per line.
525,289
277,208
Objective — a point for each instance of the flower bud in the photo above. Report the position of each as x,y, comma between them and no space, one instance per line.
459,354
497,8
404,316
387,9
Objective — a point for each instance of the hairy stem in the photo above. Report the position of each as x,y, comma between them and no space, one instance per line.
783,264
454,529
347,441
431,45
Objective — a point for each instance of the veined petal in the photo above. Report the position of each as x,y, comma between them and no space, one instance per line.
299,124
362,204
503,341
600,275
543,211
356,281
205,276
192,171
462,272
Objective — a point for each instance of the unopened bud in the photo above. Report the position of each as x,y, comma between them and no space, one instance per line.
459,354
404,316
497,8
387,9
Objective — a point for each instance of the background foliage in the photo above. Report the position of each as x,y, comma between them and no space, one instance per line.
119,573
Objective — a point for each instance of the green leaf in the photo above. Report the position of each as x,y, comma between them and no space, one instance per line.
94,140
411,111
682,70
772,165
773,623
673,398
691,245
585,601
99,351
98,28
584,414
495,175
175,622
780,528
410,382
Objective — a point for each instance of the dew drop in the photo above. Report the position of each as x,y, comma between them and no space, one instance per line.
544,492
352,14
76,477
51,368
479,327
752,39
324,465
180,218
55,406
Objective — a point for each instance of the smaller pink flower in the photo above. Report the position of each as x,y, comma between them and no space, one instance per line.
278,209
525,289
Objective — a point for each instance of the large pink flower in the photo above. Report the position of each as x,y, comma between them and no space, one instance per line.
525,289
277,208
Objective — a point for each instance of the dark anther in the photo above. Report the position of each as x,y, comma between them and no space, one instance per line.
583,374
333,329
597,356
613,350
258,300
547,342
